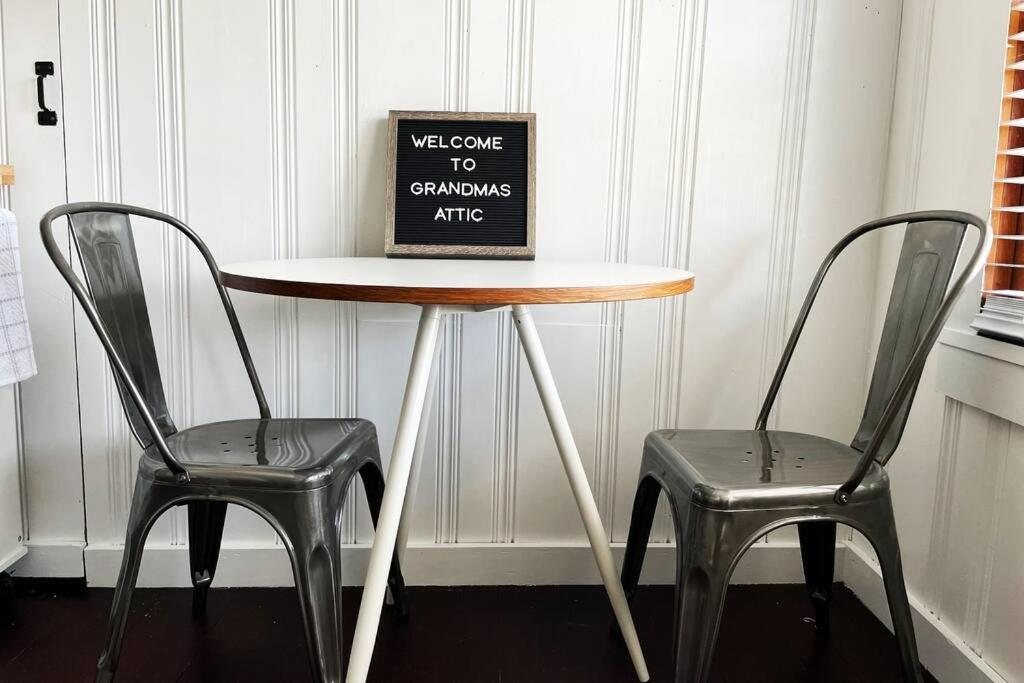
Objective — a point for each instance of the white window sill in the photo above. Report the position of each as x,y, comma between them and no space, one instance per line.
981,372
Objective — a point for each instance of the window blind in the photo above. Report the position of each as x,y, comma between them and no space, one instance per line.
1002,304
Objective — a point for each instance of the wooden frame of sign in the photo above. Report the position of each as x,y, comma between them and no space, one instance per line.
443,205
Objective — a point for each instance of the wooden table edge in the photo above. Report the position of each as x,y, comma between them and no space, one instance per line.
455,295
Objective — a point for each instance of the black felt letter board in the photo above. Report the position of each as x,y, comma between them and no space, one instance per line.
460,185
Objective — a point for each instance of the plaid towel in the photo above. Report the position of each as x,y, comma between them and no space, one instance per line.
17,362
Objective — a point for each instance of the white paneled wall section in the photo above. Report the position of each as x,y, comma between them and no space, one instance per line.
737,140
956,477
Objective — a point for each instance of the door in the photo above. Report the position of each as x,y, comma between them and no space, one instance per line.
53,523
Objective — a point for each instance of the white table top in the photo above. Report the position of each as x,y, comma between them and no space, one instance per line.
455,281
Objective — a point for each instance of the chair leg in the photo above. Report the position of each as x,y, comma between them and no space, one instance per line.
373,483
708,543
645,503
883,537
314,540
320,601
818,552
140,520
205,529
699,602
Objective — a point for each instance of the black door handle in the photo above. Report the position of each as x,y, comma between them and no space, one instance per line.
46,116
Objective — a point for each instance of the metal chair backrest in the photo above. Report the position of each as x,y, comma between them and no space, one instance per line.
919,305
114,300
923,273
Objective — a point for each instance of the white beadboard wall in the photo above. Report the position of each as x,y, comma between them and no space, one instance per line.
958,471
738,140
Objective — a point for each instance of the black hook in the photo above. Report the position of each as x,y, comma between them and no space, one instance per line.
46,116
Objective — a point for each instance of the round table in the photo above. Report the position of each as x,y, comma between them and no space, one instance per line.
441,287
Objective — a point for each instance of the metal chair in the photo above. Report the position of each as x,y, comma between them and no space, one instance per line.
727,488
294,473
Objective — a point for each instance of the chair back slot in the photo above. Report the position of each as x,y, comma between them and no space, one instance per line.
923,274
110,261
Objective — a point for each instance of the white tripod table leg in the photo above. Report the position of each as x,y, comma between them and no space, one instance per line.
394,496
578,481
405,527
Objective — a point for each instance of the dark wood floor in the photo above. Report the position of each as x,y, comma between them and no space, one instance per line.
475,635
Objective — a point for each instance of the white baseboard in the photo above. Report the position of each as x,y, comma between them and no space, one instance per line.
59,559
12,557
459,564
943,652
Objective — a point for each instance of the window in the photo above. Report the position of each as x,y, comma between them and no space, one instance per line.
1002,311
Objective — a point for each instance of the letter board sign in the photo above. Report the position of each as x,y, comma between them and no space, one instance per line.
461,185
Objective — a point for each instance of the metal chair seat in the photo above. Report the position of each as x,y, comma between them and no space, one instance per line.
750,469
294,454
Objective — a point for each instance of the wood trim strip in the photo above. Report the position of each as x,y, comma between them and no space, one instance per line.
455,295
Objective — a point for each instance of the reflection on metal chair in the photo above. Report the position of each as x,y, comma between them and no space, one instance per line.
728,488
295,473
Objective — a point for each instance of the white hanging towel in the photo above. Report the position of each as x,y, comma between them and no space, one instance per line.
17,362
